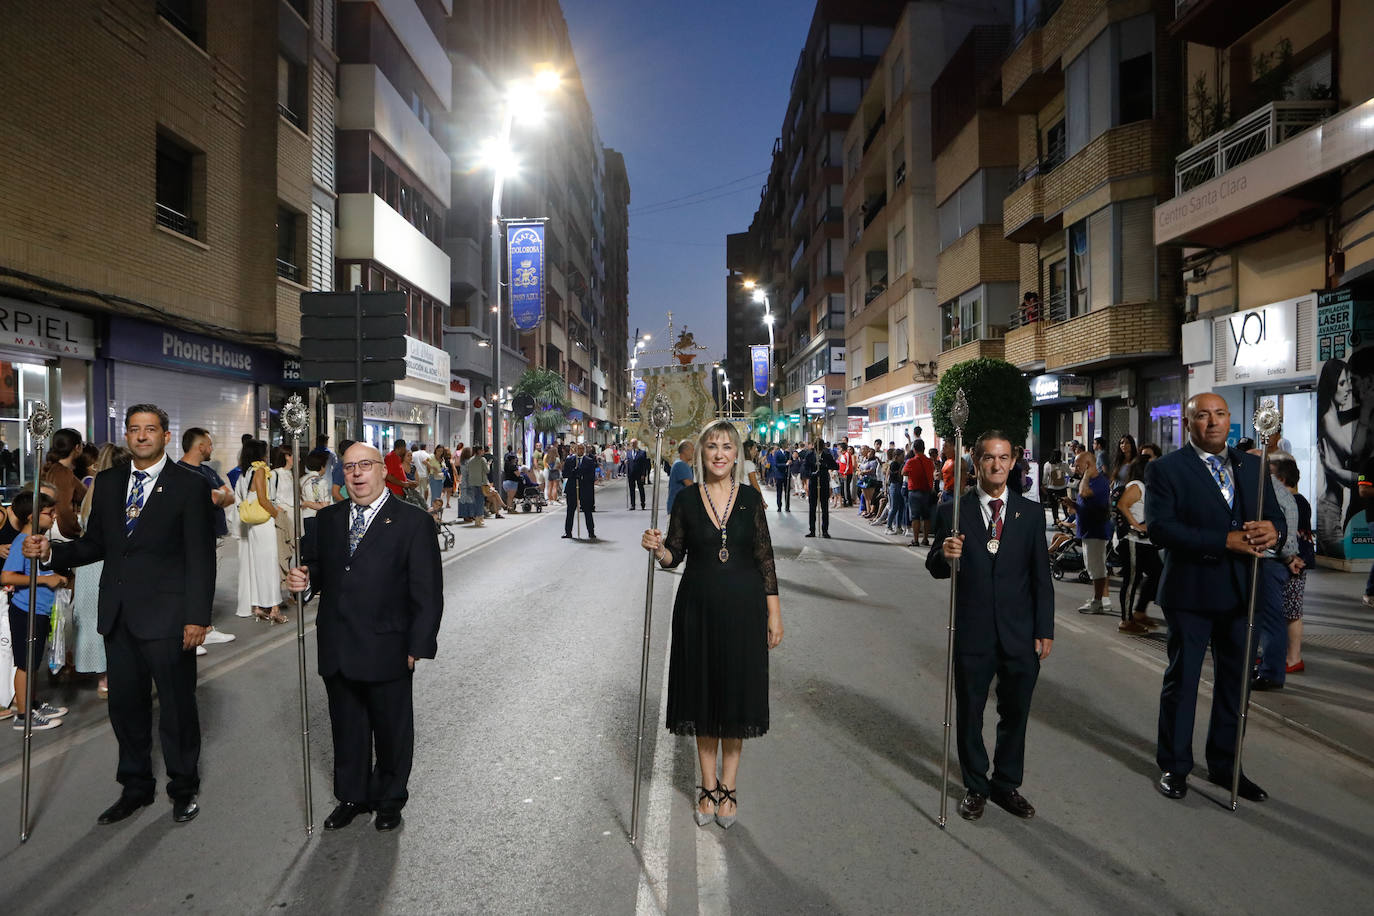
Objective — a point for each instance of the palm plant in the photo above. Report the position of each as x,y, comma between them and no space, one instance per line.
550,393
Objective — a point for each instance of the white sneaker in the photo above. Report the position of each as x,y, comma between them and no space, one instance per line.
39,723
214,637
1092,606
200,650
1368,600
1107,606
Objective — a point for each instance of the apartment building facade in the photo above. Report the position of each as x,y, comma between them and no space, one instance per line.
907,185
1270,210
395,93
795,248
566,177
1093,85
156,250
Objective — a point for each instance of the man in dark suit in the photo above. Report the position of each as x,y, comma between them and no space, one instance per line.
150,523
374,560
1003,622
579,486
639,465
1200,508
817,463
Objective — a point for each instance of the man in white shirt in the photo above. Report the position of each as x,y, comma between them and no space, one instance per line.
419,456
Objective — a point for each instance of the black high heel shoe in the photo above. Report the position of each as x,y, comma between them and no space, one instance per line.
704,818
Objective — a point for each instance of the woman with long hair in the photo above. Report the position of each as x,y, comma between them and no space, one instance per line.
259,592
281,486
59,469
1126,452
89,657
553,472
1140,572
471,502
726,616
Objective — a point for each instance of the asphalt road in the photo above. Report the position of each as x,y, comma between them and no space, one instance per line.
520,797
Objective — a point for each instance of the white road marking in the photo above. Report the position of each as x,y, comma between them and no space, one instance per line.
713,884
1071,627
652,897
844,580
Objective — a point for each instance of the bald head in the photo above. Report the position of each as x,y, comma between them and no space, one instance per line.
364,473
1209,422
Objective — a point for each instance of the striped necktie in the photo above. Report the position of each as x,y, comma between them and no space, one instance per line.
1223,478
133,506
357,529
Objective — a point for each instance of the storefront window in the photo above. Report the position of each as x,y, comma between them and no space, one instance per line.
1163,398
21,384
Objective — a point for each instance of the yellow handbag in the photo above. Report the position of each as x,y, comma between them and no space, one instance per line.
252,512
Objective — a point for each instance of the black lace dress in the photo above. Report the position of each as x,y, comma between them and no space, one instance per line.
718,661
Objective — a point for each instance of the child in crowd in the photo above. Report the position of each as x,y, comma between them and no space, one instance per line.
16,576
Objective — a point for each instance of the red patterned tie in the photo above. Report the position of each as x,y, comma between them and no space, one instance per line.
996,505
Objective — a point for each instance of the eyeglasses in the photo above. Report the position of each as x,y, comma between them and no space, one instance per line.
364,466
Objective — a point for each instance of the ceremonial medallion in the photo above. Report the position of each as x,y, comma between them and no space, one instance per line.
131,512
993,546
724,554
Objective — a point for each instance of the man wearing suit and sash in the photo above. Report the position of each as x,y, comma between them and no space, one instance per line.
1004,622
150,523
374,560
1199,507
638,465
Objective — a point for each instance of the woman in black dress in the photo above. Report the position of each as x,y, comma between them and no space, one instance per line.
726,617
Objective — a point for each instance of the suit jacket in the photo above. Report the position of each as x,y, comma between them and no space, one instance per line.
639,463
381,604
1006,600
161,578
1187,517
582,472
818,465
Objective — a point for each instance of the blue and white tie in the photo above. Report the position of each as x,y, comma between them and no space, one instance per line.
1223,478
133,506
357,529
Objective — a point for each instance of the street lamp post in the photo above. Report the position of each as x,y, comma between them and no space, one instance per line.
761,296
520,92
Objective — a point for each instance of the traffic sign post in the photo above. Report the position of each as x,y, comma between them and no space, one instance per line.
366,353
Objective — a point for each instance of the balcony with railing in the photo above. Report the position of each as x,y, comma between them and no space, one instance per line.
1111,335
177,222
1028,80
875,370
1258,132
1219,23
288,271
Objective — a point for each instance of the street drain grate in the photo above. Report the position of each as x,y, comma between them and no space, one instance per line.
1346,642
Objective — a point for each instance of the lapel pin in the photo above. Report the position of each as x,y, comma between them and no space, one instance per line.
386,521
157,489
1018,515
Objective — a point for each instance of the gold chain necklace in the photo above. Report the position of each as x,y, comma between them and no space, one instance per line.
722,519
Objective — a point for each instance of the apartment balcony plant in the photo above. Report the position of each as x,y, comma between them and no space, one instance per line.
1258,132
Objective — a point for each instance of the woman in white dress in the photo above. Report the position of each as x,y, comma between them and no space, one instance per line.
280,484
90,645
259,575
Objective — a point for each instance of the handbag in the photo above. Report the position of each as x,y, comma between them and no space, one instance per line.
252,512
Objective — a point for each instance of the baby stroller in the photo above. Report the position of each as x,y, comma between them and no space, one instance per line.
1066,553
415,497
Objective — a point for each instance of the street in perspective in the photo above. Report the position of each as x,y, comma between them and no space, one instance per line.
946,484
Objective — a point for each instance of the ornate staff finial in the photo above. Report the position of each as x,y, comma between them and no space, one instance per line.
958,414
1267,422
40,422
295,418
661,414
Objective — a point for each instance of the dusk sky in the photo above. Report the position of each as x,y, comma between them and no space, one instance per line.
693,94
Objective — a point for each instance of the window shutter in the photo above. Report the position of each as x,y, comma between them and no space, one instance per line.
1137,261
321,248
1100,259
322,125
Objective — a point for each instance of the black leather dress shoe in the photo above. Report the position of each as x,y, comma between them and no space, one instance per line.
121,809
1247,789
825,534
343,815
972,806
1172,785
1263,683
185,809
1014,803
809,534
387,820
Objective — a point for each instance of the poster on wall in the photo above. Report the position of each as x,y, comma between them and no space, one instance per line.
1345,426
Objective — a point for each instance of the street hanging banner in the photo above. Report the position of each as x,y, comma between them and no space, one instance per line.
525,249
641,386
758,358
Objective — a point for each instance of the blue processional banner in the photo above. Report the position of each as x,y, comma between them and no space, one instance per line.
641,386
758,358
525,249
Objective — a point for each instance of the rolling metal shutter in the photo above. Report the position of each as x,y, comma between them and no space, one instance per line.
224,407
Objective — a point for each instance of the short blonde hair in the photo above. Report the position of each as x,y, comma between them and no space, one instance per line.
711,431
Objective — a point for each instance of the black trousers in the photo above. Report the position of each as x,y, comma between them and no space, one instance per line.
1139,576
1189,636
373,724
637,480
783,483
973,674
133,666
818,493
572,516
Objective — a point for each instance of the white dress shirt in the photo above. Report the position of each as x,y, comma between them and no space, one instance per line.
985,503
152,473
369,512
